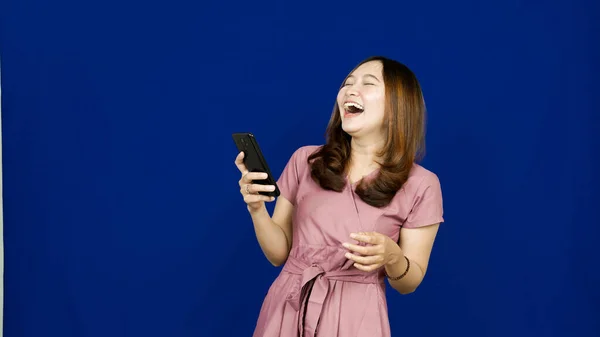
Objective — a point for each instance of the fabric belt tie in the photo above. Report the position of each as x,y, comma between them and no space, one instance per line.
309,296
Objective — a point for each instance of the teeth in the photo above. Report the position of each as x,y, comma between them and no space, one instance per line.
348,105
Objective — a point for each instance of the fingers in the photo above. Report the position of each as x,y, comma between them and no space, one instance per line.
249,177
372,256
255,188
239,162
250,191
363,250
365,260
367,268
371,238
254,198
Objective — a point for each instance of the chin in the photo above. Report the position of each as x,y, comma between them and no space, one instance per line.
353,132
359,131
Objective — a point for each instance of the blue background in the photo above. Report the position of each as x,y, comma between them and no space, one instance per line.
122,211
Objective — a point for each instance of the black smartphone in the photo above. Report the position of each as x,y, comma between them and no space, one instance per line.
254,160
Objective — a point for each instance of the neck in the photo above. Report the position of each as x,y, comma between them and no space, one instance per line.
364,152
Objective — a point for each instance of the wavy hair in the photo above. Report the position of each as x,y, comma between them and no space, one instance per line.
404,139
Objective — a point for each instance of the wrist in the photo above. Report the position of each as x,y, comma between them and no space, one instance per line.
399,270
395,258
396,264
257,211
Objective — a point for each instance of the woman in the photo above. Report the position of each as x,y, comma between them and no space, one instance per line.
352,212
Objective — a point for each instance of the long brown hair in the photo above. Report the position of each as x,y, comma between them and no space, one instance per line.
404,135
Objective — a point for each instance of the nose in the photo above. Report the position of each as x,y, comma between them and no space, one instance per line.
351,91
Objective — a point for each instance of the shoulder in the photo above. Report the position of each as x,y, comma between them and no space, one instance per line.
302,153
422,177
423,198
298,161
421,182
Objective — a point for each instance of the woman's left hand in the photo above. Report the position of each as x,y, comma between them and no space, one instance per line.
379,251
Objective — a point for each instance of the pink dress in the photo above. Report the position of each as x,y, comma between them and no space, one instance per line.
318,291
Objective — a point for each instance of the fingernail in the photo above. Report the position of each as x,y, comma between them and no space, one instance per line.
347,255
353,235
271,188
345,244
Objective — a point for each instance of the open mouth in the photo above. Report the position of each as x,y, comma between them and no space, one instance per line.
353,108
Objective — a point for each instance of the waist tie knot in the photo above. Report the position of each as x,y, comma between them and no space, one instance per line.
308,297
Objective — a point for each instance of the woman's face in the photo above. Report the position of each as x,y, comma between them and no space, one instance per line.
362,101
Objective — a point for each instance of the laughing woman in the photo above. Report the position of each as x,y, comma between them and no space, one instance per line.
352,212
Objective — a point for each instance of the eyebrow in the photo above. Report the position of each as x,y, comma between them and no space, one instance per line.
367,75
373,76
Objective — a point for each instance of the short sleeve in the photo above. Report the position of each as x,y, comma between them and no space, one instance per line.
290,178
428,205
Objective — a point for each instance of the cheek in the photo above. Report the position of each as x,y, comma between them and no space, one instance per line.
376,100
340,96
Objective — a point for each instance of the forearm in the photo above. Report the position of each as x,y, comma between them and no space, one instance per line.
410,281
271,237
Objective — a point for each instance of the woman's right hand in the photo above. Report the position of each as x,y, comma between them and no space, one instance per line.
249,190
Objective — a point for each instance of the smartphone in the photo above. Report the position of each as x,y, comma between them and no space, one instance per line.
254,160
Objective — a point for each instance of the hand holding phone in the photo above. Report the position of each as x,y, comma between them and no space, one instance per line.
257,184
